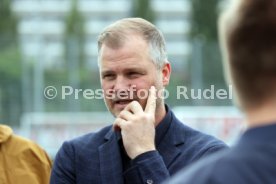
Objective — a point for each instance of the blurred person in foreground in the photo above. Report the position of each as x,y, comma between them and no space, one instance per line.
248,40
21,160
146,143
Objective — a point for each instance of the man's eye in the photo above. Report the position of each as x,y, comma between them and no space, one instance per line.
109,76
134,74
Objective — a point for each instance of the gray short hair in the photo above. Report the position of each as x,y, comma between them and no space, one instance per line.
114,36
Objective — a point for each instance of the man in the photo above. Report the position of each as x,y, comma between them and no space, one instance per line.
249,44
146,143
22,161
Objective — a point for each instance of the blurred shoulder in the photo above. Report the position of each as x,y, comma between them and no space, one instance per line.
211,170
27,150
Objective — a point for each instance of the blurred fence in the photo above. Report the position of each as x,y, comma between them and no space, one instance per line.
50,130
225,123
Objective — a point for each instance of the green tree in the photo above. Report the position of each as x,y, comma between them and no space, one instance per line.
206,65
7,20
74,33
10,67
204,19
142,9
75,73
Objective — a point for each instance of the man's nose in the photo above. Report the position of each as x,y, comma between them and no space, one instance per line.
121,84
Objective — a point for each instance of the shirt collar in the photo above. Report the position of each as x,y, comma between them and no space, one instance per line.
163,126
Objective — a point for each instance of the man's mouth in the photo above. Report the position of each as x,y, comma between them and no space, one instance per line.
123,102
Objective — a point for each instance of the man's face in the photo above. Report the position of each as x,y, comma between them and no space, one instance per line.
127,72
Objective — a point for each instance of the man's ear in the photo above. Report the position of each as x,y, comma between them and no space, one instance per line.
166,73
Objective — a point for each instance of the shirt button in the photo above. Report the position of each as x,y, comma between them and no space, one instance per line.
149,182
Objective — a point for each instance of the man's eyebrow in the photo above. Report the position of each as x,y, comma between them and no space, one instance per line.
136,69
106,72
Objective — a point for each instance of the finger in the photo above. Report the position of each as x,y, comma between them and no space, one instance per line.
126,115
134,107
118,124
151,102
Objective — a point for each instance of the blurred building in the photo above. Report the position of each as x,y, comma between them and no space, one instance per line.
42,26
